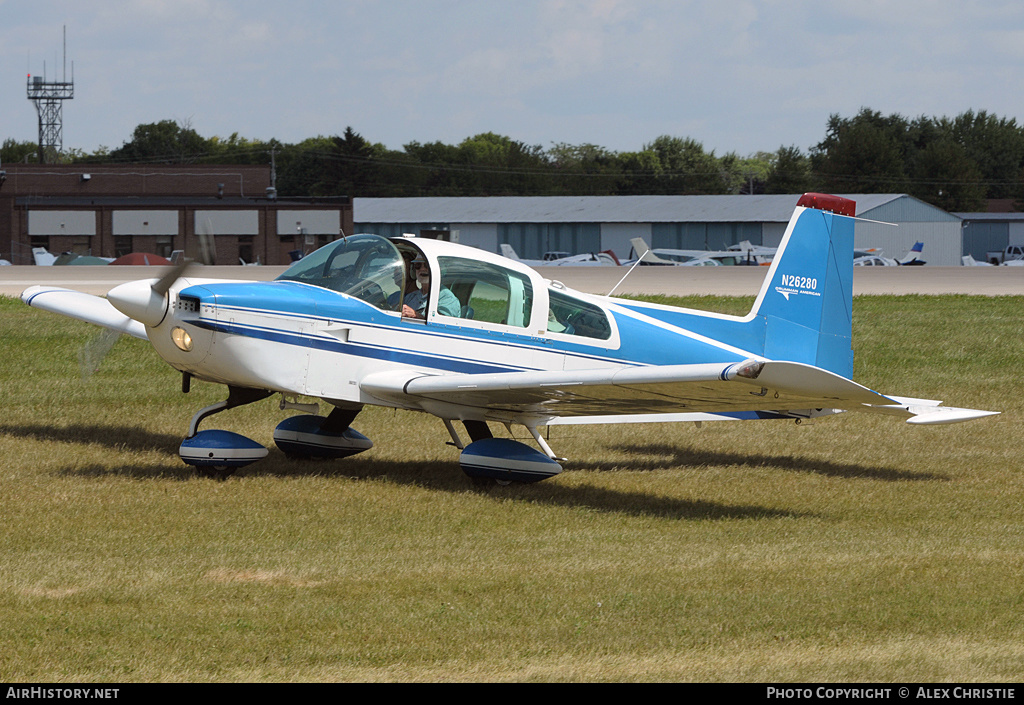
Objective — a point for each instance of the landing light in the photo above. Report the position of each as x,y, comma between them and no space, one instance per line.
749,369
181,339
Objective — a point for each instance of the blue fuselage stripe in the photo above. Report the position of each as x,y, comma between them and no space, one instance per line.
405,357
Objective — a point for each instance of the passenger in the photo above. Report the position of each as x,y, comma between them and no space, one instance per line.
555,325
415,305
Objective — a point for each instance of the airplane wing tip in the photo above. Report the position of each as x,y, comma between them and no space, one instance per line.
31,292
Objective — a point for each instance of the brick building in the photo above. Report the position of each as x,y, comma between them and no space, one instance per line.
109,211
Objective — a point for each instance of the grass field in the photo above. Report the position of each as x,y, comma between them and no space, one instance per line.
853,548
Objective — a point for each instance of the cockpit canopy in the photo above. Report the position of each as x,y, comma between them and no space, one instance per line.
367,267
372,268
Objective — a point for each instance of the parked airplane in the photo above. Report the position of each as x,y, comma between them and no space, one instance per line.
667,257
42,257
564,259
913,257
498,343
758,254
874,261
743,253
873,257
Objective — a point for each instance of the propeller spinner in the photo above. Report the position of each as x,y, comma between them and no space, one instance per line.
146,300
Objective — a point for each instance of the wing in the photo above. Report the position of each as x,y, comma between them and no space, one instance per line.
657,393
84,307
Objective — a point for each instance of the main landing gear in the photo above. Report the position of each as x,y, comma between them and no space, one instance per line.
217,453
503,459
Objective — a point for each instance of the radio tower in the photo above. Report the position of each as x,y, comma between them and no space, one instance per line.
49,97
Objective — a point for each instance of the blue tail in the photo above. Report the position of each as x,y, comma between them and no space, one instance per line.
806,302
911,257
804,312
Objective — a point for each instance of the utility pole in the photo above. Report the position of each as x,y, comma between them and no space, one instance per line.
272,190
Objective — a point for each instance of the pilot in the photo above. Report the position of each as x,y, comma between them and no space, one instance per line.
415,304
404,280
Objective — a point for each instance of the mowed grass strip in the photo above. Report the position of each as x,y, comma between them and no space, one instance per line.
854,548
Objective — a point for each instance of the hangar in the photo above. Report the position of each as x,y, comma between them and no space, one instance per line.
538,224
991,232
111,210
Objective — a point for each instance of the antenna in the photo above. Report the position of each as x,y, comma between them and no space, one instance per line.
49,97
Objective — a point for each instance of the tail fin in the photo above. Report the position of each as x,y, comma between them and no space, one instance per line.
640,247
644,253
804,311
806,302
912,255
507,251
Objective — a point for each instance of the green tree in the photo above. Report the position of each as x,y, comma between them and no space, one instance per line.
673,166
239,150
436,169
166,142
789,171
687,168
995,145
14,151
746,175
504,166
584,169
863,154
641,174
944,175
300,167
350,168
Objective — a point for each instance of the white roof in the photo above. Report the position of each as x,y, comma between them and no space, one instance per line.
590,209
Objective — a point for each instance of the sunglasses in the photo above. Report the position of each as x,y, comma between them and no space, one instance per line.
419,265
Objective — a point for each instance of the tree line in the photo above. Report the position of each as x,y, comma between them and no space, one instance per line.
954,163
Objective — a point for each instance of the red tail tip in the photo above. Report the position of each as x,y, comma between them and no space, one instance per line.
826,202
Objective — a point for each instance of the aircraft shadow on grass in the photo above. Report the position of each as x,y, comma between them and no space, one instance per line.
668,456
430,474
129,438
433,474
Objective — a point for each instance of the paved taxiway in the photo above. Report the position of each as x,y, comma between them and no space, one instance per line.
674,281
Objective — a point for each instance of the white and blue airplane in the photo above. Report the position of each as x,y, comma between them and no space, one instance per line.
516,349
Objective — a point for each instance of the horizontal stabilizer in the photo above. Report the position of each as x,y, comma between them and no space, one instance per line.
949,414
928,411
84,307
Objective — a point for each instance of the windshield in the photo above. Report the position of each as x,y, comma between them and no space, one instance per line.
367,267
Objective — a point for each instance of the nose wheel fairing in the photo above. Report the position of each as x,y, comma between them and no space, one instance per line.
219,449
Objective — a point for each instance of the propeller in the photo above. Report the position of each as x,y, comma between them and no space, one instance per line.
146,301
92,354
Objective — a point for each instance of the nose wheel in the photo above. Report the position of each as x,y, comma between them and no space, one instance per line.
217,453
216,472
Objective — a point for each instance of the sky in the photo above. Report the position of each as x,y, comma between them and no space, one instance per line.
737,76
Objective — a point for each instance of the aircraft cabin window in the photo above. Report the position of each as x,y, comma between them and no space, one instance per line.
573,316
488,292
367,267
